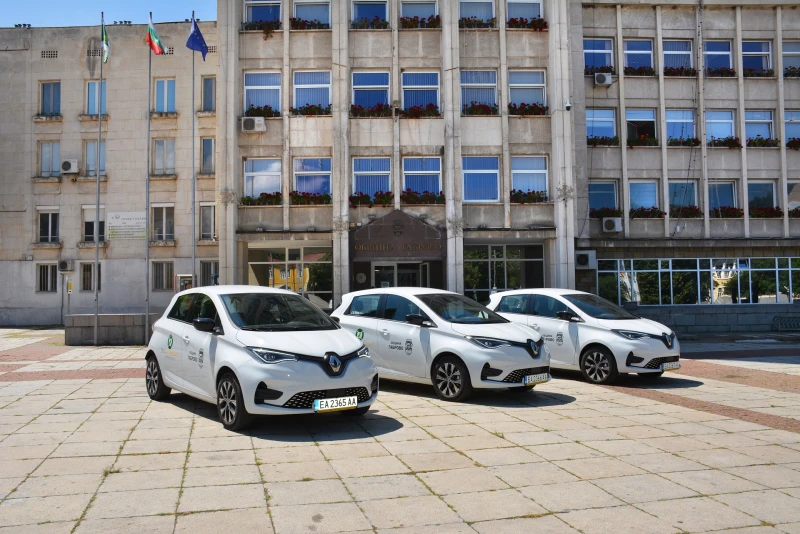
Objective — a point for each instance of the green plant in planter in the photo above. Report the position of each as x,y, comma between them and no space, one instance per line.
517,196
642,140
311,109
727,212
762,142
646,213
791,72
639,71
794,213
475,22
683,141
415,112
410,196
527,109
538,23
721,72
680,71
600,213
261,111
725,142
686,212
602,141
378,110
591,71
766,213
793,143
410,23
753,73
299,198
475,108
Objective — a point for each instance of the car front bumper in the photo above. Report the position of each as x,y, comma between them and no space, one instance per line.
645,355
509,366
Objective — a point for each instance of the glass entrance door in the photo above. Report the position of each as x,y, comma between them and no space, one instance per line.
396,274
408,275
384,275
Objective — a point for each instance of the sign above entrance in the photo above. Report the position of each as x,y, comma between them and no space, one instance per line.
397,236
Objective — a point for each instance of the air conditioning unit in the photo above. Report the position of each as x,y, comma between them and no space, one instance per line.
65,266
602,78
253,124
612,224
69,166
585,260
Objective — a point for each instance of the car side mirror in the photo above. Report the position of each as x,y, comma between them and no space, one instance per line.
568,316
204,325
415,319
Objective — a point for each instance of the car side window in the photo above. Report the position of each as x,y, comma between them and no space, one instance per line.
397,308
182,309
545,306
514,304
364,306
204,309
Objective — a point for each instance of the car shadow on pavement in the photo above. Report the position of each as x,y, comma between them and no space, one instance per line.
634,381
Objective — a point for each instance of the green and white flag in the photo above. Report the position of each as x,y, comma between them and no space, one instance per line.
106,47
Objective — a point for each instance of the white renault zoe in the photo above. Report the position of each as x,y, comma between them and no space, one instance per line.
257,350
590,334
428,335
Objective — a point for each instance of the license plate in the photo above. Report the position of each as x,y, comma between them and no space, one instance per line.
332,405
536,379
670,365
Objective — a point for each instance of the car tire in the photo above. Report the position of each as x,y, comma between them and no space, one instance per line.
358,412
520,389
451,379
230,403
598,366
651,376
154,380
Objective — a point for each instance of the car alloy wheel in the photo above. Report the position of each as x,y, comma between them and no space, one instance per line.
151,378
598,366
448,380
227,401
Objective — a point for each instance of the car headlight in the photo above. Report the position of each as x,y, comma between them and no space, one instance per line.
271,356
628,334
363,352
488,343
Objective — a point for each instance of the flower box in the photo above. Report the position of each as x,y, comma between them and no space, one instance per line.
602,141
688,72
527,197
380,198
366,24
299,198
261,111
415,112
766,213
639,71
264,199
753,73
600,213
302,24
791,72
725,142
524,109
646,213
683,141
793,143
266,26
410,197
762,142
642,140
378,110
721,72
475,108
727,212
311,109
538,24
591,71
410,23
475,22
686,212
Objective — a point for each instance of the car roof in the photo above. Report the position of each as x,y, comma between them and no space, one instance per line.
233,289
551,291
404,291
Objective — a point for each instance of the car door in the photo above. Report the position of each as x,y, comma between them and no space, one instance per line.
361,319
173,327
560,335
405,347
198,361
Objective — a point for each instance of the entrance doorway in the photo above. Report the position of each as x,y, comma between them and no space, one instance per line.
401,274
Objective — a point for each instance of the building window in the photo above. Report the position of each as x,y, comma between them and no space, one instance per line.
304,270
313,10
369,10
165,96
207,222
791,57
526,87
682,194
680,124
721,194
422,175
478,88
163,223
262,176
677,54
643,195
209,272
794,195
91,98
49,158
638,54
48,227
209,93
87,276
370,89
478,9
756,57
163,279
262,89
262,10
164,156
524,9
51,98
418,8
761,195
641,125
89,216
91,158
602,195
481,179
598,55
600,123
420,89
312,89
529,174
208,151
719,124
792,119
758,124
489,268
371,175
47,281
312,175
717,55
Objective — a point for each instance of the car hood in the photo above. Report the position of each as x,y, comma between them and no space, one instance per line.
508,331
308,342
646,326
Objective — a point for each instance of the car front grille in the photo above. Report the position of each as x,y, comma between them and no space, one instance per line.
515,377
306,399
655,363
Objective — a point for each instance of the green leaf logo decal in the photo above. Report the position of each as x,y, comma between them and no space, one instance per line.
169,342
360,334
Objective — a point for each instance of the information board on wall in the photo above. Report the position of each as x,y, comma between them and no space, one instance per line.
126,225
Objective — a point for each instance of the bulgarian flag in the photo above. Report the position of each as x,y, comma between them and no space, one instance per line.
152,39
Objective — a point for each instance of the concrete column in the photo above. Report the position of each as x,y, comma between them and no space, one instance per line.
737,54
287,169
394,81
662,120
701,122
502,103
340,98
623,129
783,196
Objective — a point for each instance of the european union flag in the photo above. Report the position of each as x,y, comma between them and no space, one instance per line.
195,41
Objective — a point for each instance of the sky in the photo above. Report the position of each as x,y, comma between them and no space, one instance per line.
40,13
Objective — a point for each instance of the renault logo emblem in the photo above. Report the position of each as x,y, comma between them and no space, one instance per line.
335,363
667,340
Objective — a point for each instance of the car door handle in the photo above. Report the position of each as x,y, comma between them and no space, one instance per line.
385,332
186,339
535,326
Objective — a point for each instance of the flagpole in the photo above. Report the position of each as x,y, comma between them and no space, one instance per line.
194,221
96,225
147,201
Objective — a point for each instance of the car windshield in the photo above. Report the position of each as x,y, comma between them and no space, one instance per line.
460,309
597,307
272,312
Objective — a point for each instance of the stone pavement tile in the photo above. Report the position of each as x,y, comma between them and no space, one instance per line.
504,456
436,420
408,512
221,458
346,450
133,503
384,487
61,527
720,458
436,461
143,433
207,498
250,520
711,482
151,462
589,468
568,496
590,434
74,466
535,438
151,446
730,441
449,528
8,484
622,447
421,446
17,468
567,424
142,480
41,509
768,505
661,462
297,471
735,425
132,525
771,476
775,436
97,448
32,452
642,431
488,505
792,492
311,492
98,435
689,429
465,443
677,443
235,443
772,453
306,453
364,467
508,427
609,422
699,514
790,528
26,440
403,434
487,416
321,518
643,488
452,431
218,476
541,525
619,520
462,481
565,451
59,485
532,474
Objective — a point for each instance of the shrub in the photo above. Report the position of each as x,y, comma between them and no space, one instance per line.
646,213
303,24
528,197
639,71
642,140
261,111
538,23
686,212
680,71
311,109
722,72
599,213
299,198
476,108
366,24
410,196
415,112
727,212
378,110
761,142
602,141
727,142
407,23
683,141
766,213
527,109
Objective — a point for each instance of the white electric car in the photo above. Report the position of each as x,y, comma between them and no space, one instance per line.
429,335
256,350
590,334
